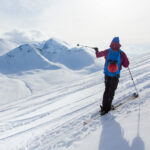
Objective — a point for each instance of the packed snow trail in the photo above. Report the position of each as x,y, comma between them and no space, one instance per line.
55,120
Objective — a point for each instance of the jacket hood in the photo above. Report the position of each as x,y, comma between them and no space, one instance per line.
115,46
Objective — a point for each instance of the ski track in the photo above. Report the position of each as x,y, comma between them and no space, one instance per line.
58,115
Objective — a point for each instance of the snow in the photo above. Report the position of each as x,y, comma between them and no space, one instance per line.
45,98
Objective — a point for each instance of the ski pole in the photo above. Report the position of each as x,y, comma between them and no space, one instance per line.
135,94
87,46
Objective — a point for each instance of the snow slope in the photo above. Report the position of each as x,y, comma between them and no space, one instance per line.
12,89
53,118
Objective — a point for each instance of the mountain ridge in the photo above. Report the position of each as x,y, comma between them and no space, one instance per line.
52,54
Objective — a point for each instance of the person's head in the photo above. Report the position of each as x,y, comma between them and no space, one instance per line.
115,44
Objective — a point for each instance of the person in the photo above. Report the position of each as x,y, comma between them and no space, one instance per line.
115,58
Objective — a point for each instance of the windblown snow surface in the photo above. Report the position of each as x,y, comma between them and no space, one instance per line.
44,109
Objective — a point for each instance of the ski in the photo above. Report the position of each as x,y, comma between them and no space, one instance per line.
97,115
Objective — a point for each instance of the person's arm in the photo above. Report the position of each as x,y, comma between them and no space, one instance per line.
125,61
101,53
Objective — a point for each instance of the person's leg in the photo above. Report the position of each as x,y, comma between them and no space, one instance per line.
106,94
110,87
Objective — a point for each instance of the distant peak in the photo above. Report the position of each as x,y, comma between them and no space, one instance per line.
55,42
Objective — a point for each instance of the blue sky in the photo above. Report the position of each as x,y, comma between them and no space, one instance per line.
77,21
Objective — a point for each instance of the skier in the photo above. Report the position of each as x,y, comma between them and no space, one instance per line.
114,60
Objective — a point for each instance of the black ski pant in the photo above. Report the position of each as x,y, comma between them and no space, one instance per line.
111,84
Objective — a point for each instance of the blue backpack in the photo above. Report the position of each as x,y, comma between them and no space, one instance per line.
113,63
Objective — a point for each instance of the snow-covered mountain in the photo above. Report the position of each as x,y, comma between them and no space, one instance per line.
50,54
44,107
60,52
24,58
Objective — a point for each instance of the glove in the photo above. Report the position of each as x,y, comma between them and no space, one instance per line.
96,49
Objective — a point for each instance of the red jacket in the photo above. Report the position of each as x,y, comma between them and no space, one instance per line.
115,46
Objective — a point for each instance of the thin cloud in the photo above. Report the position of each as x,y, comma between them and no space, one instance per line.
23,36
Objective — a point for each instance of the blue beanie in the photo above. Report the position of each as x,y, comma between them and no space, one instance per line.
116,39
